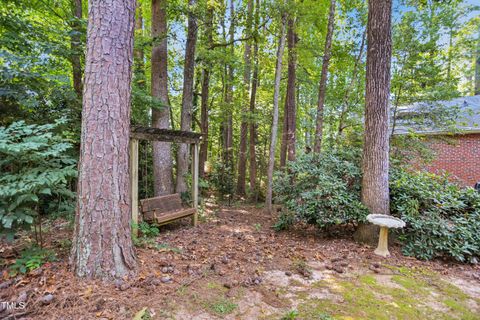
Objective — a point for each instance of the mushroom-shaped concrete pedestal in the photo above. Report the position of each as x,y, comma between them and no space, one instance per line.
385,222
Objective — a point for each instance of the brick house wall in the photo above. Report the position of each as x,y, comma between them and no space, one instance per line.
459,155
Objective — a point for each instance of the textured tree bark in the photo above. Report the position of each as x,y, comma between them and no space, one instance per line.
253,125
205,95
291,86
375,192
242,156
102,244
162,154
322,88
75,45
273,136
187,98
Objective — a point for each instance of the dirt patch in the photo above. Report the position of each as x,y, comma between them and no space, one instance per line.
472,288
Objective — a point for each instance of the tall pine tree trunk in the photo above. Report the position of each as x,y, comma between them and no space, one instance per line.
273,136
291,86
253,124
102,244
76,47
242,157
187,98
205,94
375,191
162,154
322,90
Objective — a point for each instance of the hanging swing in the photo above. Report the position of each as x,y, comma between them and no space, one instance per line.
163,209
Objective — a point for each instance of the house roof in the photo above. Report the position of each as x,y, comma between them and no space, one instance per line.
460,115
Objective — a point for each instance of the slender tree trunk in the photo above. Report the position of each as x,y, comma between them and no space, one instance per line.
449,55
162,155
242,157
205,95
138,54
253,94
187,98
477,65
322,89
283,145
204,120
375,192
395,108
291,86
273,136
102,244
350,87
76,47
224,115
229,74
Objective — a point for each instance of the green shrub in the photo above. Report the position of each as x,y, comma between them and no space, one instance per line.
35,174
443,220
322,190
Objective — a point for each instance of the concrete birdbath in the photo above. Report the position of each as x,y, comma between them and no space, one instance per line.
385,222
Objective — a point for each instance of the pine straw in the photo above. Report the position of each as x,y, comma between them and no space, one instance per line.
235,246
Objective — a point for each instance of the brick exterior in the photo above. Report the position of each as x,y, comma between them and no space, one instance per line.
458,155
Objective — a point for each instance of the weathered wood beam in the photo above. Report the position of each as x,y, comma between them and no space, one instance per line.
156,134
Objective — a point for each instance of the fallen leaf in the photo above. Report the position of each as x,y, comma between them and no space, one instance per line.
140,314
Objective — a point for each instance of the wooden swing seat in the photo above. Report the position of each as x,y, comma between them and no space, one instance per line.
165,209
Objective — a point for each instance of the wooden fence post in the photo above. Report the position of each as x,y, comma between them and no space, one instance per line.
195,162
134,183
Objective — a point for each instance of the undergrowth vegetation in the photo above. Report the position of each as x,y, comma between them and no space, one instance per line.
322,190
30,259
443,220
37,170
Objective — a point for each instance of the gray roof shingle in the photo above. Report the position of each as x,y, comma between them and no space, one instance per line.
459,115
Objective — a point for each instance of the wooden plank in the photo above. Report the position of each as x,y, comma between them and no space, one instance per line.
171,202
149,216
195,163
156,134
163,217
134,182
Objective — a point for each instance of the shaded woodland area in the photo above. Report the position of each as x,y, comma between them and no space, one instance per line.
296,102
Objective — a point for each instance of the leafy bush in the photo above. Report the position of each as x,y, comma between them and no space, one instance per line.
443,220
323,190
36,171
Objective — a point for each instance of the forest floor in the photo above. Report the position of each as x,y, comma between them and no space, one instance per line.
235,266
